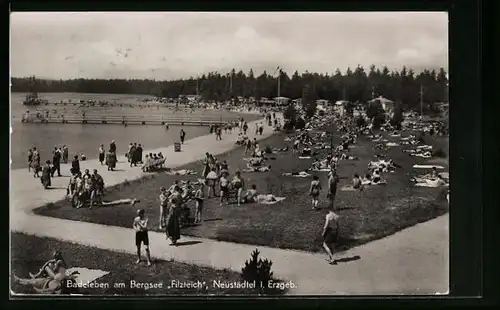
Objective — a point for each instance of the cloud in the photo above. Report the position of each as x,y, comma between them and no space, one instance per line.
169,45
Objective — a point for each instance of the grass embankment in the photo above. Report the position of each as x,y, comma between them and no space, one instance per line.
29,253
372,214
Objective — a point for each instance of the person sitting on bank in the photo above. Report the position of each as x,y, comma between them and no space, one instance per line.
356,182
250,195
306,152
51,267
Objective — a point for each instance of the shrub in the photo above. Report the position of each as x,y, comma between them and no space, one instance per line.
439,153
258,271
268,149
300,123
290,115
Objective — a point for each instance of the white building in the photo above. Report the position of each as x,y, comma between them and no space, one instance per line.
387,105
281,100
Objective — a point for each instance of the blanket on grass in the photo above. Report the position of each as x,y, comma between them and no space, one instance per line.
87,275
277,199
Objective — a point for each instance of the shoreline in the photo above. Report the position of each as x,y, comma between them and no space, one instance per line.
173,159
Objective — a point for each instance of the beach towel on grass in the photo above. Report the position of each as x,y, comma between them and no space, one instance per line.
277,199
303,175
87,275
427,167
392,144
349,188
421,155
181,172
427,185
321,170
305,157
395,136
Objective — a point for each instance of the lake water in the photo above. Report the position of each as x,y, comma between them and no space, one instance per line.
86,138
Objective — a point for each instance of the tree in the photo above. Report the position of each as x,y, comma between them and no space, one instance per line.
374,109
402,85
397,116
290,114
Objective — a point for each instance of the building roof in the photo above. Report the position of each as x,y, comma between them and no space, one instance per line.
382,100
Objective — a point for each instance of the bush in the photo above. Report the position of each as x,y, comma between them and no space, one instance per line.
300,123
268,149
290,115
258,271
439,153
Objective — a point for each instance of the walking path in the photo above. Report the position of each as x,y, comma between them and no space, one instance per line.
413,261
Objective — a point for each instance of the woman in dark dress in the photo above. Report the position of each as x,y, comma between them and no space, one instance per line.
46,172
111,160
173,224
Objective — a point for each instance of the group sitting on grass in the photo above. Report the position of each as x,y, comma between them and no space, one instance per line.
88,189
153,162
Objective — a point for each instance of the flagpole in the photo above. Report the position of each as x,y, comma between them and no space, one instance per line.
421,101
279,82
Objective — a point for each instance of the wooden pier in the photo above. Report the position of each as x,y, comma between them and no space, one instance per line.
125,120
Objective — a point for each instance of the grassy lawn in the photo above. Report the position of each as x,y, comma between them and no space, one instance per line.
372,214
29,253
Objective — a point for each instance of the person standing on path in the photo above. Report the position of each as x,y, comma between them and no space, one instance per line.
140,226
102,154
75,164
163,208
218,133
314,192
36,163
112,147
245,128
182,136
173,230
333,181
56,160
46,172
261,128
65,154
330,234
30,159
139,154
111,160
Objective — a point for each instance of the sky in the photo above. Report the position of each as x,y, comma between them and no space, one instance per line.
173,45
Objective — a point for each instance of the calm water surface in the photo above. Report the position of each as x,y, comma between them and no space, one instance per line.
87,138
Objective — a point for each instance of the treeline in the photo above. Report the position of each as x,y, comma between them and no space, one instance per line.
355,85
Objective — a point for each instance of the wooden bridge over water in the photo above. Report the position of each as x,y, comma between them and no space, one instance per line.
126,119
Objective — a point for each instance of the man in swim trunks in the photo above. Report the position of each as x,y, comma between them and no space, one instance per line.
140,226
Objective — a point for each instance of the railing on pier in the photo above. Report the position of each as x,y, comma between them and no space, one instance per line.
129,119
